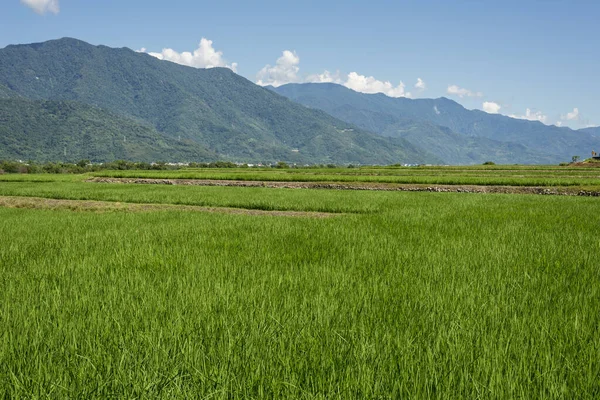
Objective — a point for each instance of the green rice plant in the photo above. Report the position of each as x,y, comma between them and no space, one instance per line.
444,176
429,295
237,197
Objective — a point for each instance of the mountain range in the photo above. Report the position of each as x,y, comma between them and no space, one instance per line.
68,100
160,108
445,128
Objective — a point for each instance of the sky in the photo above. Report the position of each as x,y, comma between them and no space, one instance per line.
538,60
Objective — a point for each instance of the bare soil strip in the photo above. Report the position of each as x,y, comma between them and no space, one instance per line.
105,206
557,191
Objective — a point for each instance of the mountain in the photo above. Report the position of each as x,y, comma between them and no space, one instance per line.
468,134
68,131
452,147
217,110
461,149
594,131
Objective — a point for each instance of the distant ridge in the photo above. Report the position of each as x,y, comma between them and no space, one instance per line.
446,128
594,131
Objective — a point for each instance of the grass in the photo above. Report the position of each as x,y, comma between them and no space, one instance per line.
418,295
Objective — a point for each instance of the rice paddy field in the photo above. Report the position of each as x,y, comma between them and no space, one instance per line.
480,175
125,290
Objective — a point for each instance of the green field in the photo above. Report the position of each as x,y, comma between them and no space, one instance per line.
391,295
481,175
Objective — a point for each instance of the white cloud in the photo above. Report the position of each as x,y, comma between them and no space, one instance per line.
559,124
420,85
368,84
205,56
284,71
325,77
462,92
491,107
532,116
436,110
43,6
572,116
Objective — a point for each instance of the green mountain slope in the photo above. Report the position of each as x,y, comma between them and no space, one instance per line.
477,135
6,93
214,108
462,149
58,131
441,141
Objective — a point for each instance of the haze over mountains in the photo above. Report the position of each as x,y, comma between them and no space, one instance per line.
214,113
68,100
447,129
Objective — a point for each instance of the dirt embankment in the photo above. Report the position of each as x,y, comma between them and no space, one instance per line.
562,191
586,164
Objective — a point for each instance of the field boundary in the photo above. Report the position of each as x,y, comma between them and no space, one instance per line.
107,206
556,191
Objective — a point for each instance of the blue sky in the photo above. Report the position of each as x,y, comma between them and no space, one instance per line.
533,59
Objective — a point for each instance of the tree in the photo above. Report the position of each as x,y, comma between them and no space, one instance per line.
575,158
